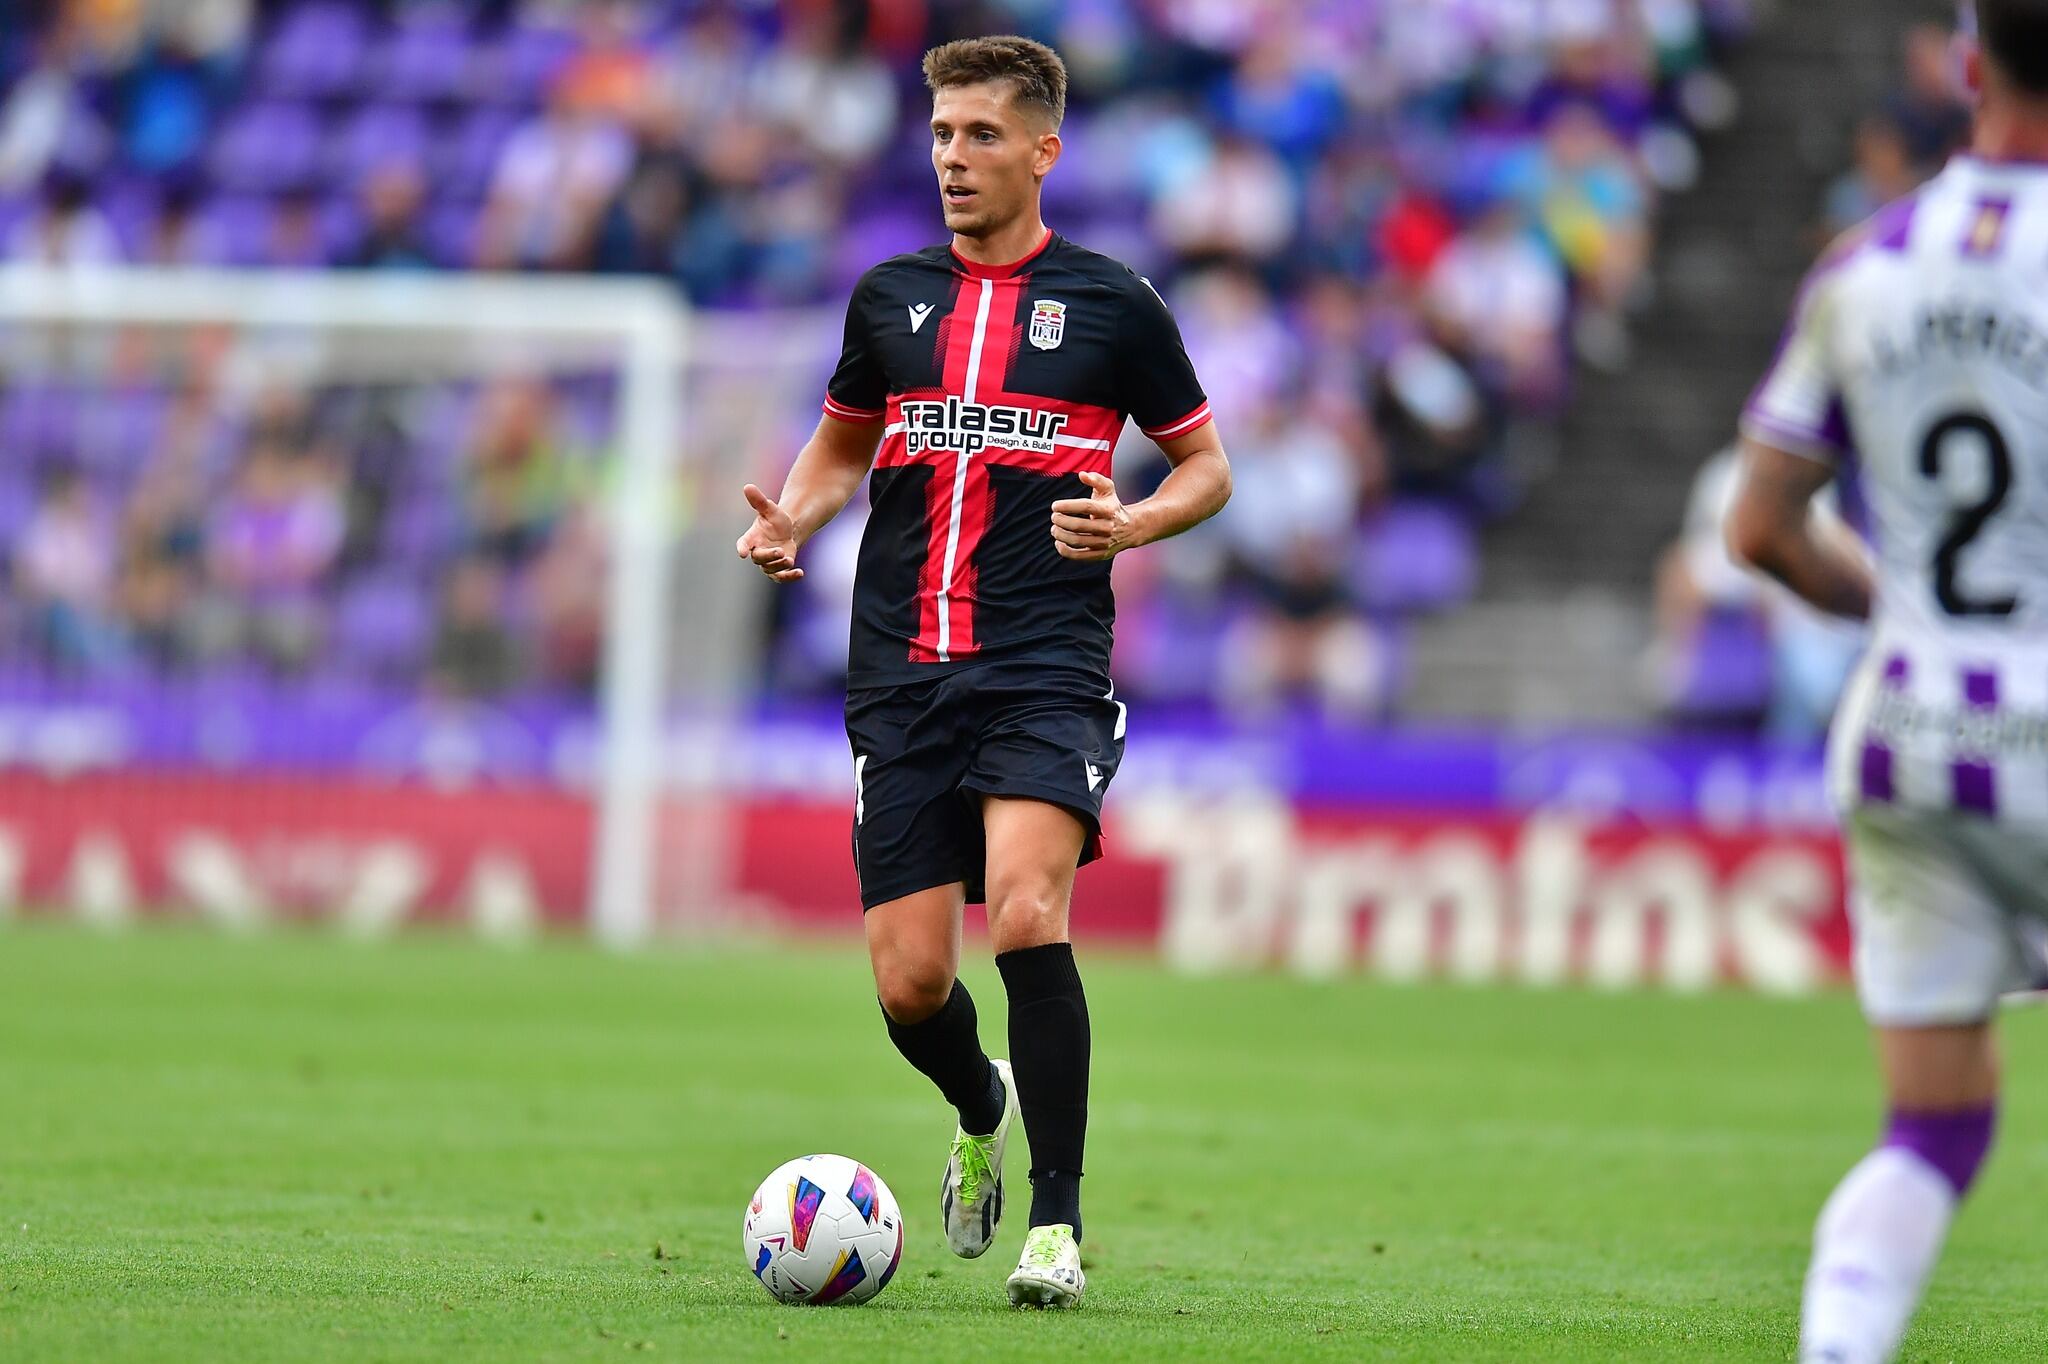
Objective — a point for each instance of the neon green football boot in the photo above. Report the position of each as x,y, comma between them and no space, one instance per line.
1048,1274
971,1199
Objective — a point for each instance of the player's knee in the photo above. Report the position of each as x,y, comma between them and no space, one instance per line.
1028,916
911,988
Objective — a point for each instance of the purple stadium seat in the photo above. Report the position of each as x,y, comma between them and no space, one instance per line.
423,532
451,234
429,55
466,157
341,225
376,135
518,68
1170,645
383,627
1414,556
13,209
130,206
267,147
1724,672
17,502
880,235
316,51
242,225
119,429
37,421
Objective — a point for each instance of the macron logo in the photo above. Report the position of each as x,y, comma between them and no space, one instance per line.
1094,776
918,313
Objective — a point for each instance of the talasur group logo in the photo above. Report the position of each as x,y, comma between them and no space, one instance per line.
958,427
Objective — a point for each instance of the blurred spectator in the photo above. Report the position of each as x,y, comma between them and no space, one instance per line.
1577,184
610,75
568,587
67,229
270,545
1278,94
392,239
180,235
1290,527
1237,338
1733,648
1884,171
648,228
838,101
1336,379
41,108
706,74
1438,422
166,103
517,480
1496,298
1239,205
553,180
297,237
1929,111
64,571
475,654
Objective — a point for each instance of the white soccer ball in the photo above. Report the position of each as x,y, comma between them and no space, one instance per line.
823,1229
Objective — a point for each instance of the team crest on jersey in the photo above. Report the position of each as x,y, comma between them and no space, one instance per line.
1048,323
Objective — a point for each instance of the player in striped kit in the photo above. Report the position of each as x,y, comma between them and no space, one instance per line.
984,383
1916,368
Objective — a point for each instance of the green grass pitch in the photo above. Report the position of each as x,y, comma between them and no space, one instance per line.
293,1147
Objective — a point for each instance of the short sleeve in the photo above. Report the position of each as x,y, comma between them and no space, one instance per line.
858,389
1155,380
1798,405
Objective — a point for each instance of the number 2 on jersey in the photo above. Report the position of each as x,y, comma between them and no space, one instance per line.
1970,520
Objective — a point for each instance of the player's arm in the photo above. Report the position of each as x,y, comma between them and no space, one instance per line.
824,479
1772,527
837,457
1794,431
1101,526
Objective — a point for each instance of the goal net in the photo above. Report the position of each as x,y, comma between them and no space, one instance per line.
378,597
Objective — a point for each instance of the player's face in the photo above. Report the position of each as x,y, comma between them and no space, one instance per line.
989,157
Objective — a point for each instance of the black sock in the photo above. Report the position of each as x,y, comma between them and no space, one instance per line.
947,1050
1049,1054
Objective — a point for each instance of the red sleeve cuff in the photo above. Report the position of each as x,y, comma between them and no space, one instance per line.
1168,430
851,414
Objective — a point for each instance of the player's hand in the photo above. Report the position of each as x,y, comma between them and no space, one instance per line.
770,543
1095,527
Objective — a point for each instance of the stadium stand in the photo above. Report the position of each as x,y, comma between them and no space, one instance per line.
1393,234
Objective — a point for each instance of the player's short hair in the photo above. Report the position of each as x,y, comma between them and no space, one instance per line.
2014,36
1037,76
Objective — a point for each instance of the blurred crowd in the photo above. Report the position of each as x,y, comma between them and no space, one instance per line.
301,537
1389,228
1733,650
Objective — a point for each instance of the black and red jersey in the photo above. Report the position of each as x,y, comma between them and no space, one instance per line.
998,386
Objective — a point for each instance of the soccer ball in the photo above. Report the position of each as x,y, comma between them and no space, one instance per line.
823,1229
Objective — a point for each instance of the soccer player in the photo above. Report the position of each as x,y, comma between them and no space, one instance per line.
1919,350
994,375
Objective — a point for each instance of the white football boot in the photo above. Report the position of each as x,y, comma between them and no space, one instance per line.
1048,1274
971,1199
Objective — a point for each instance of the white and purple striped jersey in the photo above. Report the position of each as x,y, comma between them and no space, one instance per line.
1916,363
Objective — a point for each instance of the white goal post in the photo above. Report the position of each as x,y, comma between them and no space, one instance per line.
414,325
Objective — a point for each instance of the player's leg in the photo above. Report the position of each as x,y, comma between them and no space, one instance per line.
1934,950
916,841
1033,849
914,947
1883,1228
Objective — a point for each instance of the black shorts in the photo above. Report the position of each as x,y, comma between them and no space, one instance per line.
925,754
